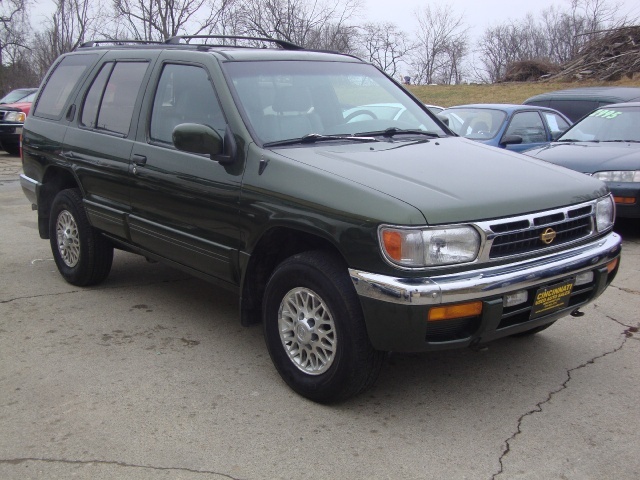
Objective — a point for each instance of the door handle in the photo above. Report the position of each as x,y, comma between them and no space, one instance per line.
139,160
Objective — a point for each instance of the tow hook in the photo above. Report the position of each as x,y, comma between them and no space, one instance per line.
577,313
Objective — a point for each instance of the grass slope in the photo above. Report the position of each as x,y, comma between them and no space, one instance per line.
449,95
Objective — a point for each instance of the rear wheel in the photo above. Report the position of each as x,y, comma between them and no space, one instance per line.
315,330
83,256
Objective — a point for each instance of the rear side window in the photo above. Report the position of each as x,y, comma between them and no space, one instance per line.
61,84
574,109
109,104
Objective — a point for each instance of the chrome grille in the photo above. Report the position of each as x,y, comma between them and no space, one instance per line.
523,235
530,240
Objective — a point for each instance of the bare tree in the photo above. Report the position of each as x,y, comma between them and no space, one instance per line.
440,29
157,20
71,24
555,37
384,45
15,68
568,31
319,24
13,19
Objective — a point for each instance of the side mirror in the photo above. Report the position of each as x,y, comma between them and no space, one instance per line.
202,139
511,140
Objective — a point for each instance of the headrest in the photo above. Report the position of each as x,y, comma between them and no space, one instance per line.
292,99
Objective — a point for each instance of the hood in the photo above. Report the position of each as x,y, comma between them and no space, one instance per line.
22,106
453,179
590,157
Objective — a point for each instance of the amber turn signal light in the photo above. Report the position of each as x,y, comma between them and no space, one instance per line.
451,312
612,265
625,200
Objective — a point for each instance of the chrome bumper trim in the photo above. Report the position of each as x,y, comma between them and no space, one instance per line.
482,283
28,183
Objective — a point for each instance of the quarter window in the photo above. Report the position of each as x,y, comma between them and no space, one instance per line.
61,83
556,123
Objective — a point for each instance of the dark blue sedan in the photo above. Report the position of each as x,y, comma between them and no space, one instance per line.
514,127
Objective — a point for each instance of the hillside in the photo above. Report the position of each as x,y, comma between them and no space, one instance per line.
449,95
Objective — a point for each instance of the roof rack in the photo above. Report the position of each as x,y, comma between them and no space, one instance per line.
97,43
281,43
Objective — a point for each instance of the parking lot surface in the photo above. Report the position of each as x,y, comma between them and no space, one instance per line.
151,376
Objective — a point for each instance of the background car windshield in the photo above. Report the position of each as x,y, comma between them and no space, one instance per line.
606,125
15,96
474,123
287,100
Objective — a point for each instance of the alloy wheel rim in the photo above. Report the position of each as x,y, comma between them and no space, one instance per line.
68,239
307,331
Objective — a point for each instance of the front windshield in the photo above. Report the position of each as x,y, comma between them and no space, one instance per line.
617,124
14,96
474,123
286,100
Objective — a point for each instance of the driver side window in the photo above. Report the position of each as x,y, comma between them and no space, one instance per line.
529,126
184,95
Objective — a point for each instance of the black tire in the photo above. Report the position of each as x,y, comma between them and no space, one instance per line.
533,331
336,360
11,148
83,255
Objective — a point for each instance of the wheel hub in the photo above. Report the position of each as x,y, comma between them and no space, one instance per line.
303,333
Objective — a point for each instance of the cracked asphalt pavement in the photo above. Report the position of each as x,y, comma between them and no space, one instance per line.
151,376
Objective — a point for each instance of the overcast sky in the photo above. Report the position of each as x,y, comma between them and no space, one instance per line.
477,14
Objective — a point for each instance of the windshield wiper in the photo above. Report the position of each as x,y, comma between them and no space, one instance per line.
576,140
390,132
623,141
316,137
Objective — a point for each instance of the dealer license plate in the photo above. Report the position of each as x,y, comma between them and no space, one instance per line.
551,299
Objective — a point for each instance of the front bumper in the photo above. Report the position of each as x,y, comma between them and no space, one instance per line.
396,308
10,132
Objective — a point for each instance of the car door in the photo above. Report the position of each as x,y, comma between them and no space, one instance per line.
99,142
529,126
184,205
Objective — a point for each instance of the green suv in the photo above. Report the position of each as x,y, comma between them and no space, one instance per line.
345,216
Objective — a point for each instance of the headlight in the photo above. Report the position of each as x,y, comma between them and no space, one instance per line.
618,176
605,213
15,117
429,247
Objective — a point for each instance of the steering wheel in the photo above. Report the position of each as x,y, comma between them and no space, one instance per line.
353,115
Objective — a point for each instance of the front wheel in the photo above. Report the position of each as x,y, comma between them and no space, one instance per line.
83,256
315,330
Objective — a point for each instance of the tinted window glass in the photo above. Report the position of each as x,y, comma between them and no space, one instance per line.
61,83
574,109
285,100
119,97
529,126
184,95
92,101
